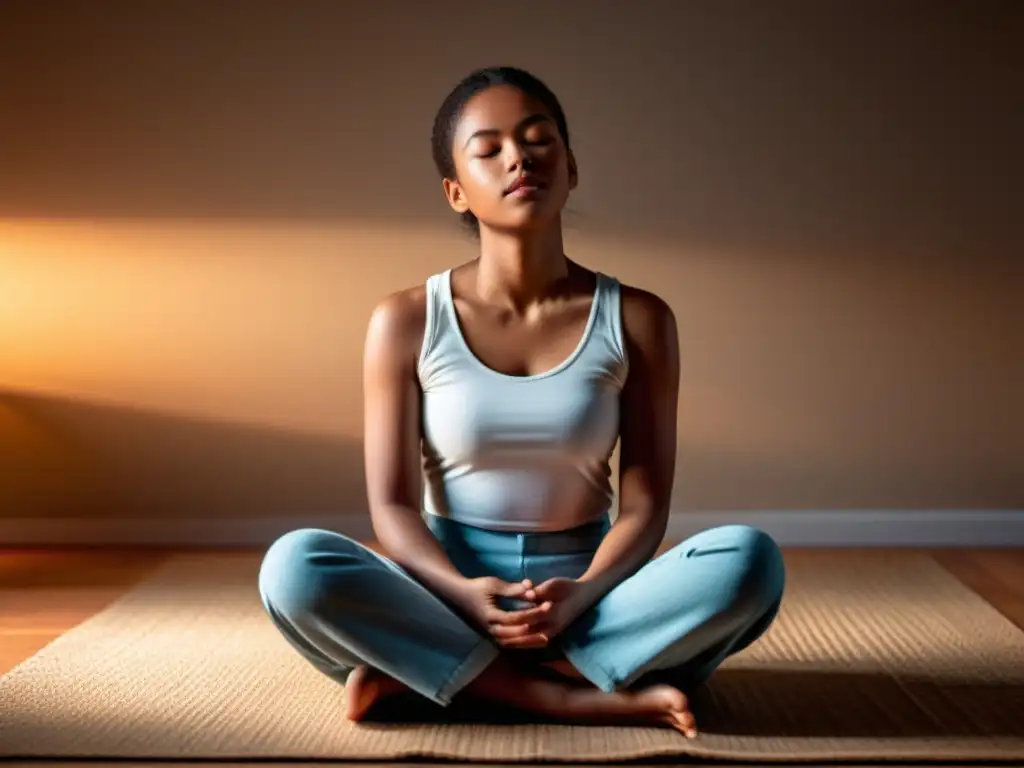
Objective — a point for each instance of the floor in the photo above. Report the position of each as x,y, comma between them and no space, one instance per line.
46,592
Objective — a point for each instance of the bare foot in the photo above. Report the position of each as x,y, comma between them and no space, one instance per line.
507,683
671,706
569,701
364,687
657,704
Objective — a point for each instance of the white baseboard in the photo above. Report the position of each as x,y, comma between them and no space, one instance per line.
801,528
869,527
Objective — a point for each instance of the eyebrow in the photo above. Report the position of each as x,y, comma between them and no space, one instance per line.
526,122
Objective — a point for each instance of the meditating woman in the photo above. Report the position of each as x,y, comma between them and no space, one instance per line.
505,383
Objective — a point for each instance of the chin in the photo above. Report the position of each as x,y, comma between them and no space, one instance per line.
528,218
532,224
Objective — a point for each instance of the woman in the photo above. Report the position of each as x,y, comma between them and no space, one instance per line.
515,374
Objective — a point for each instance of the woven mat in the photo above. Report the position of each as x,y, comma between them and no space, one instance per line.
874,656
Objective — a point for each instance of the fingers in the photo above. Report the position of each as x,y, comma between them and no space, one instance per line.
530,592
517,588
523,641
520,630
526,616
541,590
519,636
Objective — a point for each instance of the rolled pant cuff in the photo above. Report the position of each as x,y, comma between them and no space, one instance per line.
477,661
590,668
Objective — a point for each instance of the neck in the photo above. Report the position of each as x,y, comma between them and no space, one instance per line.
521,268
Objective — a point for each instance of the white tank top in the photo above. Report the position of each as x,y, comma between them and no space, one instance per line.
520,453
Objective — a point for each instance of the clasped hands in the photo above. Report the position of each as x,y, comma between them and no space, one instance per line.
555,603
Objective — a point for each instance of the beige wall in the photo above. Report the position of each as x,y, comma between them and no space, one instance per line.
200,204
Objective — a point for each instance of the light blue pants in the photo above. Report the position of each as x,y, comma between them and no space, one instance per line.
675,620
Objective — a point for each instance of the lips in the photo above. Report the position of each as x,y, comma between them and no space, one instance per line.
525,182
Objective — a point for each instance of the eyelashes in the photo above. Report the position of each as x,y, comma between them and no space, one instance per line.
538,143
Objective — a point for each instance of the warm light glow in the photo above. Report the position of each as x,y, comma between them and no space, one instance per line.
804,376
262,324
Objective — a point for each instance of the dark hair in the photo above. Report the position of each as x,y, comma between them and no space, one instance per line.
448,115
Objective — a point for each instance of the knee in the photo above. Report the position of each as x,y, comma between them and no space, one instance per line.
760,574
290,577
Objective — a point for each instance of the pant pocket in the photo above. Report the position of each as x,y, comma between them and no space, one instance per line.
710,549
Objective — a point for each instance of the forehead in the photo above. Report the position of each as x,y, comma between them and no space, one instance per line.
500,107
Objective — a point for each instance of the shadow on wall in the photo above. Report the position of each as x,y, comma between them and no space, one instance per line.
64,458
70,459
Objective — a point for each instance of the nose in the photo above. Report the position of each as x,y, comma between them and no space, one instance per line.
517,157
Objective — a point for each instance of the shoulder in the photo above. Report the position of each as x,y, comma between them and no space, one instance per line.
397,323
647,320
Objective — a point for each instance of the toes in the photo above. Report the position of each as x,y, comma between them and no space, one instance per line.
686,724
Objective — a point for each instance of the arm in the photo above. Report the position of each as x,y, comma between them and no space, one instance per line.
647,454
392,442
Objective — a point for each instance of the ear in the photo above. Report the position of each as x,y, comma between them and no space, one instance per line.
456,197
574,177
